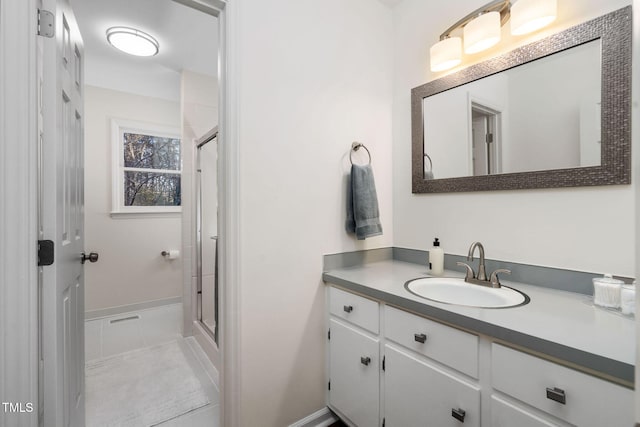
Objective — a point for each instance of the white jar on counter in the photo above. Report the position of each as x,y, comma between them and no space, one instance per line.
606,291
628,299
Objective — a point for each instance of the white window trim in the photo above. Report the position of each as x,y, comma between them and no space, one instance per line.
118,128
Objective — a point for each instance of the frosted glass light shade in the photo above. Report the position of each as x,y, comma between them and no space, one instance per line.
446,54
132,41
531,15
482,33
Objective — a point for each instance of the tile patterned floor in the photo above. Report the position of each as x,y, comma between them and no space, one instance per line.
145,328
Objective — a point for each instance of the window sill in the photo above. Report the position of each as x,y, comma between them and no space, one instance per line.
145,214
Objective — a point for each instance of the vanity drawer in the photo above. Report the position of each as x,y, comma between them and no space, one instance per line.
445,344
588,401
354,308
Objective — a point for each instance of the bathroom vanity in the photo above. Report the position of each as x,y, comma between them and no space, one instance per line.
396,359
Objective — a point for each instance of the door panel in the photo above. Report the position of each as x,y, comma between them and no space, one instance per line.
420,394
354,384
62,300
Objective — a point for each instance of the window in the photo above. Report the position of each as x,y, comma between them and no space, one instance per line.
147,168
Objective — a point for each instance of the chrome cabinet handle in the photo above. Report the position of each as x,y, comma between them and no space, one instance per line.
458,414
348,308
557,395
365,360
421,338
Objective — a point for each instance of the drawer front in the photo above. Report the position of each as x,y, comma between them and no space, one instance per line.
445,344
356,309
588,401
506,414
419,394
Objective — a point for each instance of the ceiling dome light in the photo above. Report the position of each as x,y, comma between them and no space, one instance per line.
528,16
482,32
132,41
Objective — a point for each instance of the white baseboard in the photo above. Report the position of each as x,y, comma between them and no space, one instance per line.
322,418
113,311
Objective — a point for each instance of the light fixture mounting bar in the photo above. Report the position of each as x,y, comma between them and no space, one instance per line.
501,6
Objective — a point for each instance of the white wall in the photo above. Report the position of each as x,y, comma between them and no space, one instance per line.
545,99
314,76
588,229
104,72
130,269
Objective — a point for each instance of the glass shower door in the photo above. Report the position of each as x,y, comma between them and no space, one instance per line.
207,232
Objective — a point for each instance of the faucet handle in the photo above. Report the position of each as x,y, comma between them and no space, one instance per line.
470,273
495,281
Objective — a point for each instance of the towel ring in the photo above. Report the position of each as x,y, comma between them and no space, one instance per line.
355,147
430,162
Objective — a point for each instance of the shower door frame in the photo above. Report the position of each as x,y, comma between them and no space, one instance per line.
214,334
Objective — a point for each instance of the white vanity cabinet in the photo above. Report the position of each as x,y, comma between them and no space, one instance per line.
392,368
354,358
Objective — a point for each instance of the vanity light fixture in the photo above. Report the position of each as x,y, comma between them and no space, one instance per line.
482,32
132,41
528,16
445,54
481,28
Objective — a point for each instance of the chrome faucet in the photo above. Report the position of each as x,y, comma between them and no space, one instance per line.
481,277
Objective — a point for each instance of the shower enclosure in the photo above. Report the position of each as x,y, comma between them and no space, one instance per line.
207,232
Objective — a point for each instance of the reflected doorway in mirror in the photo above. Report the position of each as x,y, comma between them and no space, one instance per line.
485,141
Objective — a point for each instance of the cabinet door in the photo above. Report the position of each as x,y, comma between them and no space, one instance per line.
418,394
354,374
505,414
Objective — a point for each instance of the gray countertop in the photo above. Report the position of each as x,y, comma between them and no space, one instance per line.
560,324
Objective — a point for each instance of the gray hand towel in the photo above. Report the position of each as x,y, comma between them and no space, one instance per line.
363,217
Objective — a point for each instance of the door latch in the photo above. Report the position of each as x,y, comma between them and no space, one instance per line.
46,254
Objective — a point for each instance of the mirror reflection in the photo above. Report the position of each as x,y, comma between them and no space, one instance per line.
542,115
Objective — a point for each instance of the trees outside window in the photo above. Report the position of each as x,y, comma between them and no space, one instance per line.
149,169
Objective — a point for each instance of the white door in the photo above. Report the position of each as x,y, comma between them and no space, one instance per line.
62,218
479,142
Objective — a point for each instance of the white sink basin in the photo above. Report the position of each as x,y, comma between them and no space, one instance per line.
458,292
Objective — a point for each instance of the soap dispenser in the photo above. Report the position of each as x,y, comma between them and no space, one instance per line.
436,259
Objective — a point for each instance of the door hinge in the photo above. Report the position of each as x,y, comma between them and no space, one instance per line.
384,359
45,252
329,385
489,138
46,23
329,334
